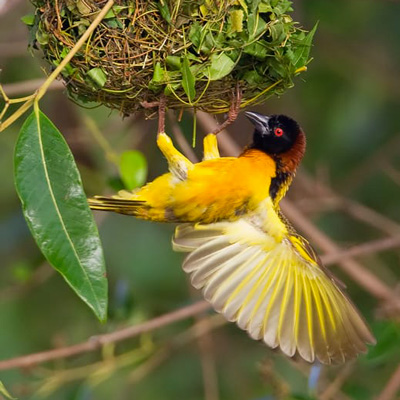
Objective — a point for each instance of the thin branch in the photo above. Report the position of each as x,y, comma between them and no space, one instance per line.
392,387
29,86
334,387
361,275
198,330
371,247
356,177
45,86
97,342
351,207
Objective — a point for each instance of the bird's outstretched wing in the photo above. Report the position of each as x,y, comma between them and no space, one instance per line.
272,290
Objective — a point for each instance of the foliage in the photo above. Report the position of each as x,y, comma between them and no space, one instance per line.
193,52
349,109
56,210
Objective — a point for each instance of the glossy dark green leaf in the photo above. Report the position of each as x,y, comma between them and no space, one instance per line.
188,80
55,208
133,169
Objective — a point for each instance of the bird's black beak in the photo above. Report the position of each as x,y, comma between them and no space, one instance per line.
259,121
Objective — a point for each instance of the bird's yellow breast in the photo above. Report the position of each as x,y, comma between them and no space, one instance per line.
224,188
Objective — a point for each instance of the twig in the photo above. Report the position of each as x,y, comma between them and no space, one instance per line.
97,342
16,89
392,387
371,247
45,86
351,207
334,387
355,177
361,275
198,330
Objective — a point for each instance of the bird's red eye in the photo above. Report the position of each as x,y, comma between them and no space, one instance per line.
278,131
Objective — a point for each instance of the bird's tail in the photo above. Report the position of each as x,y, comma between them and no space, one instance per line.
119,205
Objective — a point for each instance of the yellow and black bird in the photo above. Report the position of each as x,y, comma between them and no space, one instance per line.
248,260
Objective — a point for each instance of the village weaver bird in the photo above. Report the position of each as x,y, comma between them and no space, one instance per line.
245,256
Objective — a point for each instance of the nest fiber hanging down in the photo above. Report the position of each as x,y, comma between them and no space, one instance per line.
194,52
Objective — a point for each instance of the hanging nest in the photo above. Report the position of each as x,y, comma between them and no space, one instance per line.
194,52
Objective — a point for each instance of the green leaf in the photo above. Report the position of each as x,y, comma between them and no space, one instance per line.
158,77
303,52
97,76
55,208
28,19
255,25
174,62
158,74
195,34
164,10
257,49
133,169
4,392
188,80
221,65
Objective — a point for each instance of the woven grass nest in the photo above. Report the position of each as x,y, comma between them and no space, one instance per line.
194,52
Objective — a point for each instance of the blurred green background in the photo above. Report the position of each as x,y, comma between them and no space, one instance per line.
348,103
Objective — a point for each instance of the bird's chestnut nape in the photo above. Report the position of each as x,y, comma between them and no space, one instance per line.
273,134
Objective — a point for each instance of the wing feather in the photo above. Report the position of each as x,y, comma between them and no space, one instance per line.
270,290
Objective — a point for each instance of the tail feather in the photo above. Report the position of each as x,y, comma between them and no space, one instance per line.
118,205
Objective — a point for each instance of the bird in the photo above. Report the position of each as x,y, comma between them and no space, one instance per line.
248,260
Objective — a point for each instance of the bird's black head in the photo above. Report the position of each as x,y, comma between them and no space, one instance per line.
273,134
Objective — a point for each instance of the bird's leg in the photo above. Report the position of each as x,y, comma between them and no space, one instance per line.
161,115
233,111
178,164
210,147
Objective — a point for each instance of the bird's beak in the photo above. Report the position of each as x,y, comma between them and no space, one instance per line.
260,121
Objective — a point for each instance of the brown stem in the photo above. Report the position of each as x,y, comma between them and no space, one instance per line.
361,275
371,247
97,342
392,387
